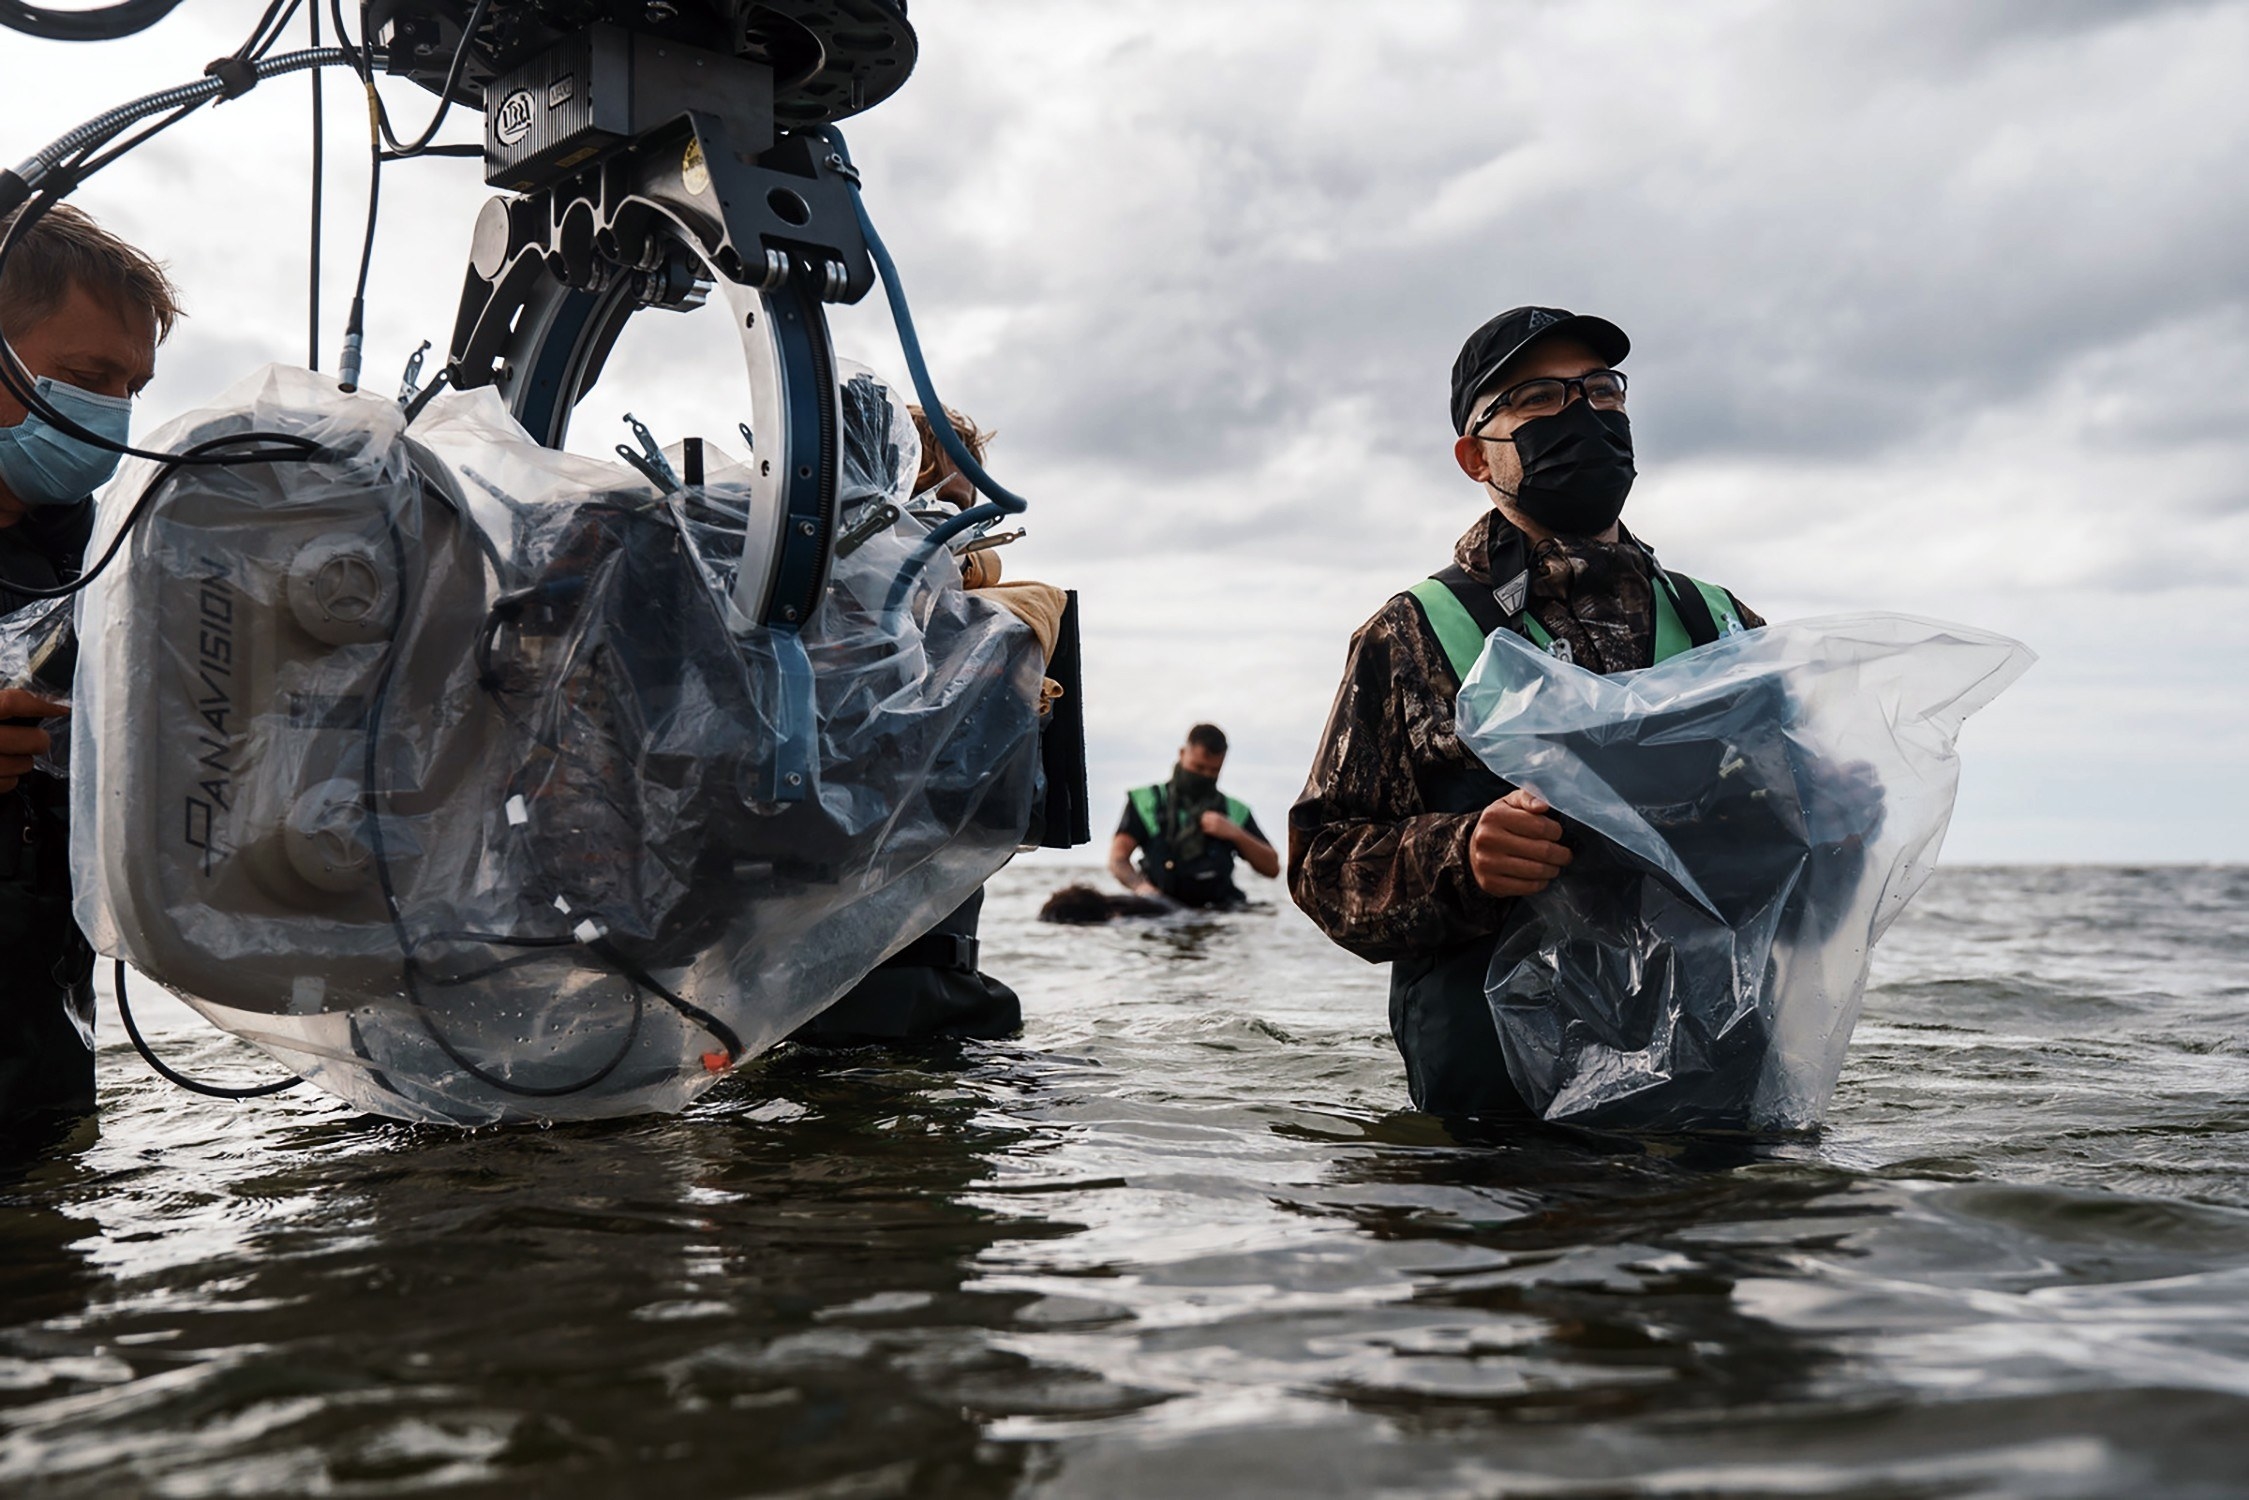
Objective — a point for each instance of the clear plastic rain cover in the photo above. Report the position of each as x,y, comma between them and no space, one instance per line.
1747,820
436,767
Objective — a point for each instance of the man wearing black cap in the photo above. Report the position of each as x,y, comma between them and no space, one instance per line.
1403,846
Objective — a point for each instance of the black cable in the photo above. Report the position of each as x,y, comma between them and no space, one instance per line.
505,610
380,112
343,34
444,95
254,47
355,324
726,1035
618,959
370,778
106,24
544,946
270,27
62,166
164,476
497,940
471,976
319,179
164,1069
370,771
51,174
367,242
18,381
465,149
88,166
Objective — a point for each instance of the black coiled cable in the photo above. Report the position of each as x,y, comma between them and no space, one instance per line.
105,24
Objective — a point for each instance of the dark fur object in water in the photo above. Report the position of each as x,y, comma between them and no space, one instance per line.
1080,905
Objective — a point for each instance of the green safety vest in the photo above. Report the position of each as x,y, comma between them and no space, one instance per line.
1463,639
1148,801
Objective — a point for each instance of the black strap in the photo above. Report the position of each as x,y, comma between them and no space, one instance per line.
1483,606
936,950
236,76
1475,597
1694,610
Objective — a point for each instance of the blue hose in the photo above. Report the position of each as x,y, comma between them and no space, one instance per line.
999,500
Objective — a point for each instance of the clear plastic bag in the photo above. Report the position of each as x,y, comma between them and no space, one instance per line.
39,653
1747,820
438,765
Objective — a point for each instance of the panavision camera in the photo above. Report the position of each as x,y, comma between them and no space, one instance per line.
474,778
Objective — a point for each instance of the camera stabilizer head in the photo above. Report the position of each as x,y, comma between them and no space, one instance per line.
829,59
650,153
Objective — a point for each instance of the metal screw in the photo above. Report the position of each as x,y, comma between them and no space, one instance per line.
794,779
789,613
805,528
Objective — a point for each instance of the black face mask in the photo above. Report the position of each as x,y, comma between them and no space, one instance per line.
1577,469
1188,784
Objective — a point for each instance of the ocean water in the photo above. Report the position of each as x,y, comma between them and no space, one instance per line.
1183,1237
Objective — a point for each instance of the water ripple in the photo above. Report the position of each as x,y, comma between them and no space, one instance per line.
1184,1236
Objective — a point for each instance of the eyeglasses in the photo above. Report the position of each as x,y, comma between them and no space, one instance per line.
1602,389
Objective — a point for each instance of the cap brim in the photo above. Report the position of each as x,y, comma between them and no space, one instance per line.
1605,339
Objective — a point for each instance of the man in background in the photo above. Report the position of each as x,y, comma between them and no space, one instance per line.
84,312
1187,832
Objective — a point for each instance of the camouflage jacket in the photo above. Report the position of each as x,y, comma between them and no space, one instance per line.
1378,841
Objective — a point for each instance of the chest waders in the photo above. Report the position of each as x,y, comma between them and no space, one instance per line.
46,968
1438,1014
1201,882
928,991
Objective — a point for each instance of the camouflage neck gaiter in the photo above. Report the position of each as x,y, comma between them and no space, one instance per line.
1596,597
1186,800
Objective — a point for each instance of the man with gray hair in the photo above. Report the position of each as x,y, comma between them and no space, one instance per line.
82,312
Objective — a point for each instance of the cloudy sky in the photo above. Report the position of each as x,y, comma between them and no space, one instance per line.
1939,306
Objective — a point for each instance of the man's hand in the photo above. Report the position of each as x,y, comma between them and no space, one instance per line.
1516,849
1122,868
1261,855
21,744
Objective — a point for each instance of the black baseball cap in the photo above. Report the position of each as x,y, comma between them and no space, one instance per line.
1490,347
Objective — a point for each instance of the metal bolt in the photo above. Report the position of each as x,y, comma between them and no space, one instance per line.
794,779
805,528
789,613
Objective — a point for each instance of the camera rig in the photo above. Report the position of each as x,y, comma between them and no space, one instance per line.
648,155
651,153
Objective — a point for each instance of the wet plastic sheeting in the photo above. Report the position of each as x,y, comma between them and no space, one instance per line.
28,655
1747,820
437,766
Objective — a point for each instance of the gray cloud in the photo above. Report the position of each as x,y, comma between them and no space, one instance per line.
1886,220
1935,306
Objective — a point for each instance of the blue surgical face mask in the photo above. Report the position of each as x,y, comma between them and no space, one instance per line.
43,466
